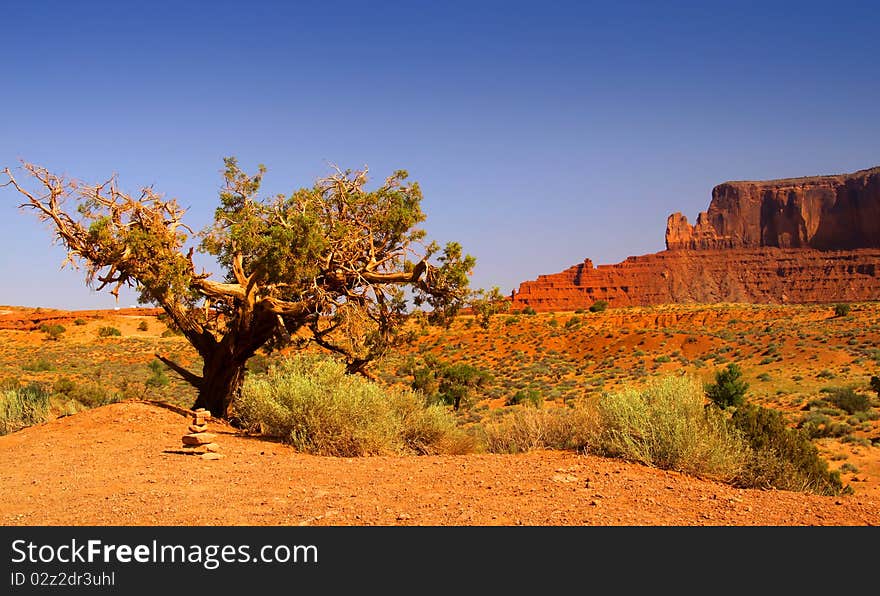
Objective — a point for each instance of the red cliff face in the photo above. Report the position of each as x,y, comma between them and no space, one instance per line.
824,212
782,241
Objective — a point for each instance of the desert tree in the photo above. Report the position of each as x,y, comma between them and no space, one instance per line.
335,264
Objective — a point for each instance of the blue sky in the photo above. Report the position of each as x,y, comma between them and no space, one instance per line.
542,133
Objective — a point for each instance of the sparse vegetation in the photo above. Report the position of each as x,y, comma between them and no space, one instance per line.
109,331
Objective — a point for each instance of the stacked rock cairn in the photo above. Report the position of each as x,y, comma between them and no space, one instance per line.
199,441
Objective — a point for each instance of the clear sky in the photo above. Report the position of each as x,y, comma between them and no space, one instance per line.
542,133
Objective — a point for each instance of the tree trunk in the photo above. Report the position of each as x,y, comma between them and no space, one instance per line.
222,378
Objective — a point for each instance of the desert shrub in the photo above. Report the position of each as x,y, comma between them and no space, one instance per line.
599,306
53,331
64,386
531,396
529,311
667,424
157,378
729,388
841,309
875,385
765,377
23,406
311,403
143,326
79,322
529,428
38,365
108,332
781,457
662,358
849,401
92,395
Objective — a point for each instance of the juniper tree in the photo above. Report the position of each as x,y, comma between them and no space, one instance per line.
334,264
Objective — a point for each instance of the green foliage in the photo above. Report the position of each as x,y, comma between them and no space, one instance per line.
157,378
79,322
143,326
311,403
573,323
849,401
528,310
841,309
52,330
666,424
23,406
92,395
875,385
729,388
485,304
599,306
108,332
450,384
531,396
782,458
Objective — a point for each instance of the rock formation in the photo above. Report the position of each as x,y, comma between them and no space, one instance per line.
796,240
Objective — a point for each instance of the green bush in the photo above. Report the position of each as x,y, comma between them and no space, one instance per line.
108,332
599,306
529,311
143,326
875,385
841,309
92,395
531,396
666,424
782,458
157,378
79,322
23,406
729,389
849,401
312,404
54,330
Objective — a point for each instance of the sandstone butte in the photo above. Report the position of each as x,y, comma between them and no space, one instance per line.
796,240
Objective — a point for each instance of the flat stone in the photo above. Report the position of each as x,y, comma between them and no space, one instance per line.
197,428
212,447
198,438
212,456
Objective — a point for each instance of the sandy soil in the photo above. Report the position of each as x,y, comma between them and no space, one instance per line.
122,464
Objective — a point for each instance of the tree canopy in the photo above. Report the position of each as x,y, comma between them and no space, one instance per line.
333,264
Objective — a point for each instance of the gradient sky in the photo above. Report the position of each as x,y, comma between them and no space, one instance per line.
542,133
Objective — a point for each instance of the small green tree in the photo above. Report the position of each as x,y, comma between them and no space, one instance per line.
729,388
53,330
451,384
599,306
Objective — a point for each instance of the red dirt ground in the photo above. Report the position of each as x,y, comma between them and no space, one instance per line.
122,464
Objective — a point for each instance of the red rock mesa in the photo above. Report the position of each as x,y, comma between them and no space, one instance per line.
796,240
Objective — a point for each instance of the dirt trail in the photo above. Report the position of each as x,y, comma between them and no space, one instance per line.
121,465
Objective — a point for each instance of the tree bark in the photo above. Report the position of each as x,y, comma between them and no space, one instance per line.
222,379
